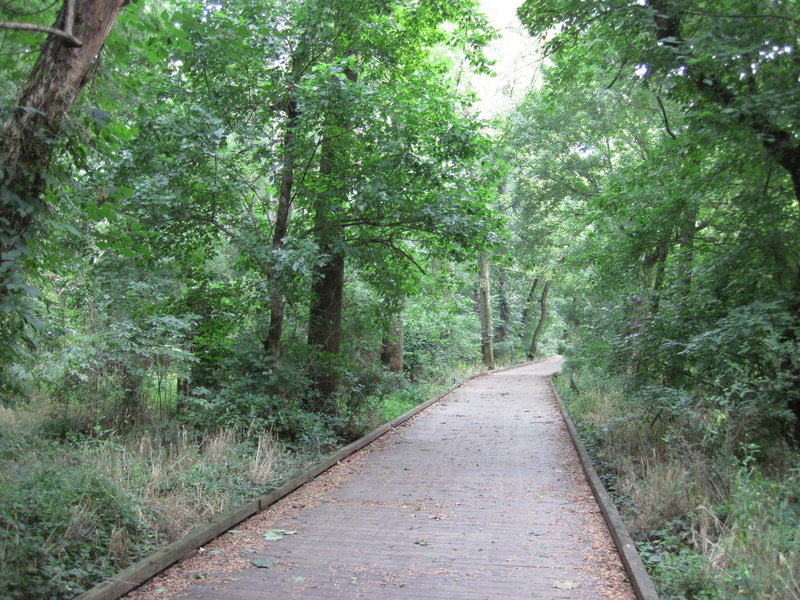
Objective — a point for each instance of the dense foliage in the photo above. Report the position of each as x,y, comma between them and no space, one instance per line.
661,155
248,231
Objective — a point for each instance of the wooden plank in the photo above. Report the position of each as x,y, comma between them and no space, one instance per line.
637,573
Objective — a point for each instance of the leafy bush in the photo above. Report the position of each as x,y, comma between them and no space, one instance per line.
758,552
709,523
62,526
237,405
441,334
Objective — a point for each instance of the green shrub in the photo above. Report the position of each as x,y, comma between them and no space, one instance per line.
62,527
758,553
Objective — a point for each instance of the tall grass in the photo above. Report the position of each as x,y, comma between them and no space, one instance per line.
711,523
74,511
190,478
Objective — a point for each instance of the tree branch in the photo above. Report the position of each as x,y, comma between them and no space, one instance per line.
65,33
68,37
702,13
69,20
664,116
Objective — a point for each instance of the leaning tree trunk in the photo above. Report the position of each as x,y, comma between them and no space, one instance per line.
540,325
485,307
528,302
63,68
276,298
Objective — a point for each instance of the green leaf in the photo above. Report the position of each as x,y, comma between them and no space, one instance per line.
262,563
278,534
566,585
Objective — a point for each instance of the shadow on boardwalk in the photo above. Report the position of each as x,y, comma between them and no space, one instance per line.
481,496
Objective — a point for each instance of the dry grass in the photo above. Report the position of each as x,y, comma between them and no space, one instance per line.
185,482
17,418
660,491
743,527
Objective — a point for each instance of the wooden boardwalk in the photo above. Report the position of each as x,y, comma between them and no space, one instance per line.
480,496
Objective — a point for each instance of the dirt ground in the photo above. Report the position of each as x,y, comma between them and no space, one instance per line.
480,496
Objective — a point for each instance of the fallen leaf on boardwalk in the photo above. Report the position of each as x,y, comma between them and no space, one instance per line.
262,564
421,543
278,534
566,585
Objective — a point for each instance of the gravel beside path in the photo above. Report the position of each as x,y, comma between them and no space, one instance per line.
481,496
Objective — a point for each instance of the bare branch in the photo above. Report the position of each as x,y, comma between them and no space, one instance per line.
68,37
69,19
664,116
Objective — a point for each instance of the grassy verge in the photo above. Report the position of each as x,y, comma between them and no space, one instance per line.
74,510
712,521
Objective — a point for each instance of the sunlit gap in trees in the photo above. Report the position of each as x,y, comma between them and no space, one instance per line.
584,151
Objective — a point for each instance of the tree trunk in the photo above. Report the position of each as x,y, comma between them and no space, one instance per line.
686,239
327,288
485,307
276,299
392,346
502,305
26,138
131,383
658,283
183,390
325,323
540,325
528,302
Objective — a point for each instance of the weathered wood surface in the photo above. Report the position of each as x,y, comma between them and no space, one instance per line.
480,496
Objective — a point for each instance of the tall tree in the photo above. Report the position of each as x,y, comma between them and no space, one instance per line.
671,257
28,137
485,310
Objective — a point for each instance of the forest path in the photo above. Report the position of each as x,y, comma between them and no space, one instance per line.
480,496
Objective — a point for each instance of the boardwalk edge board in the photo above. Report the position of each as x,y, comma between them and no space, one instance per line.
150,566
637,573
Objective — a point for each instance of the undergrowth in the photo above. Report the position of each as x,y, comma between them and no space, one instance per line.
76,510
716,515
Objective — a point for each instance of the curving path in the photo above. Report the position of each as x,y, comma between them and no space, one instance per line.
481,496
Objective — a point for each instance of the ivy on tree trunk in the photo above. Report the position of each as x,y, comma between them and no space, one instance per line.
28,136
